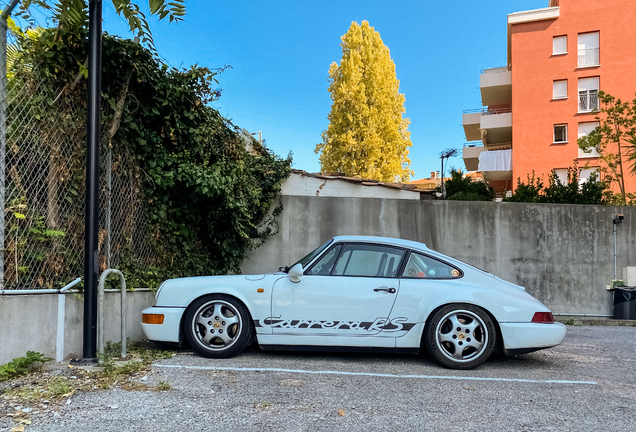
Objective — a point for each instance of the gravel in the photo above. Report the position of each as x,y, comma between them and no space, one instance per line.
261,400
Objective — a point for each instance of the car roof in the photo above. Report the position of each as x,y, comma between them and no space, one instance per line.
384,240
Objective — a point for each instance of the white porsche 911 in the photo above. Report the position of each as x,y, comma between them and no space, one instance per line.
357,293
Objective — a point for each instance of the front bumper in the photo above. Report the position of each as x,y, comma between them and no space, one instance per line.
527,337
169,330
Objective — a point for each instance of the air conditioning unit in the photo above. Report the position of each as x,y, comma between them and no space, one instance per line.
629,275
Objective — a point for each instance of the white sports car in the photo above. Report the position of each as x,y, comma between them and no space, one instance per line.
352,293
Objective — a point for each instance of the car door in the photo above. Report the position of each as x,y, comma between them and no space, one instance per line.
344,298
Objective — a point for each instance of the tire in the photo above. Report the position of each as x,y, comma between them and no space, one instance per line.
217,326
460,336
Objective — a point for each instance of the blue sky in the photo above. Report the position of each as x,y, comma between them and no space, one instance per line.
280,52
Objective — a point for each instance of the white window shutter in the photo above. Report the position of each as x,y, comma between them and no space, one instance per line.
559,45
586,128
588,83
588,41
560,89
562,174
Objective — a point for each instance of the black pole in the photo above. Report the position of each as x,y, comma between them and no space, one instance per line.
443,194
91,267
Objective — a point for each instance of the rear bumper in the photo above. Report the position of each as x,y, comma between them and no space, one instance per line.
526,337
169,330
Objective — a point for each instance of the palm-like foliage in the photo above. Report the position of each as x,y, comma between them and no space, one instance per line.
631,150
72,15
15,49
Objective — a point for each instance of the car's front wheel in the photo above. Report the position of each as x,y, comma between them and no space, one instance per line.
217,326
460,336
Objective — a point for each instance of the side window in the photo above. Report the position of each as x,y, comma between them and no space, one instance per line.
369,261
325,264
425,267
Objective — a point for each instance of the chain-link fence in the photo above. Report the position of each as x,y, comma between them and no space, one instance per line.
42,183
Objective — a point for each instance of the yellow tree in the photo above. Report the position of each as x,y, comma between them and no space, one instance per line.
367,135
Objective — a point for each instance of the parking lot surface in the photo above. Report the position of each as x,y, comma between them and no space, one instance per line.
586,383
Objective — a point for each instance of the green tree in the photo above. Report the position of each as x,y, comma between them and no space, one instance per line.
367,135
73,14
616,125
460,188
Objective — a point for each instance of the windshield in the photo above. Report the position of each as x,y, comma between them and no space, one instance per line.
309,257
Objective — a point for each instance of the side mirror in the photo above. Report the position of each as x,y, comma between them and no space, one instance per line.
295,273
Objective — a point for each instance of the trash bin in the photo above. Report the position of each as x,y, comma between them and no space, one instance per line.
625,303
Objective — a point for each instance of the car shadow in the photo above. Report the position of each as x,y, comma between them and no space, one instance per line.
500,362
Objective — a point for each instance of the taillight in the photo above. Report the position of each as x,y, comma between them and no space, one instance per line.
543,318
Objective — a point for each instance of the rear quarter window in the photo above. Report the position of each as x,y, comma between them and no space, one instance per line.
420,266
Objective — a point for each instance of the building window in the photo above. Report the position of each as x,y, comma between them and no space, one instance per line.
559,45
588,94
585,174
562,175
588,47
585,129
561,133
560,89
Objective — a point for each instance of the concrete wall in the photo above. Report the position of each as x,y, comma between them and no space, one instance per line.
562,254
53,323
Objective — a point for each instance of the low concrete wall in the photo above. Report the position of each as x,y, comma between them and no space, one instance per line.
53,323
562,254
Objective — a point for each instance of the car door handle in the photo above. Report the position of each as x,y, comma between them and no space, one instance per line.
387,289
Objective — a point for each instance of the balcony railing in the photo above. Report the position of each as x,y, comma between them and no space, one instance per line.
592,153
588,101
589,57
473,111
488,111
495,70
474,144
494,111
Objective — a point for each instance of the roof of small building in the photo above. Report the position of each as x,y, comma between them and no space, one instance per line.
355,180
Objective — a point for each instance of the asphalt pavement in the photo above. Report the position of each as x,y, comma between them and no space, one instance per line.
588,383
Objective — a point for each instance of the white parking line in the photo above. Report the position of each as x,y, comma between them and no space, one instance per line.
441,377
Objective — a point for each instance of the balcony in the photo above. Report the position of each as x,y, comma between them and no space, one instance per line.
496,86
497,123
496,165
589,57
491,125
472,122
471,153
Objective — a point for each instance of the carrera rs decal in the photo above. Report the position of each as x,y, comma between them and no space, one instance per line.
380,324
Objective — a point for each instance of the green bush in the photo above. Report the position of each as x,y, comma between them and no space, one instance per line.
466,189
22,365
593,191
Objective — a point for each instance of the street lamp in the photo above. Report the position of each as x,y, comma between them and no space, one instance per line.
448,153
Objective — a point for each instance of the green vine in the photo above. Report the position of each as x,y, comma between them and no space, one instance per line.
206,197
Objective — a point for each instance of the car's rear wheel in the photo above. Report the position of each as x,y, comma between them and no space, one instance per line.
460,336
217,326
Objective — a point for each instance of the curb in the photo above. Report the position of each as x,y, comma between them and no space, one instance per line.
571,320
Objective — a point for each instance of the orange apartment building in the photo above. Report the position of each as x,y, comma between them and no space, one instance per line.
537,106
